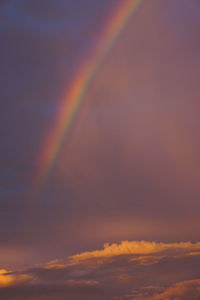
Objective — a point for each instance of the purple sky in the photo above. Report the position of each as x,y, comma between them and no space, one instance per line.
131,169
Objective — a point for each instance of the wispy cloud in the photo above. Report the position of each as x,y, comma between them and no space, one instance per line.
183,290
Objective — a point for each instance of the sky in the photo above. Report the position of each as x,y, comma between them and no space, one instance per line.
116,216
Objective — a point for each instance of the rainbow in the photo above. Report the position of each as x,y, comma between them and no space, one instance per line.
79,86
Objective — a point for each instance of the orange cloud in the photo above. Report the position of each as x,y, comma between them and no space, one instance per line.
189,289
124,271
148,260
8,279
136,248
55,264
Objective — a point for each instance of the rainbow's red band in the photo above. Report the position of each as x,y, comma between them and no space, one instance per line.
79,86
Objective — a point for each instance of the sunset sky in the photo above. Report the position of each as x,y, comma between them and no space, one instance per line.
100,163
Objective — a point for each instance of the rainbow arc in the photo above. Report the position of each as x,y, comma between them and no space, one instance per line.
79,86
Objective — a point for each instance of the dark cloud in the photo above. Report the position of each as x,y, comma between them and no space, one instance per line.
52,292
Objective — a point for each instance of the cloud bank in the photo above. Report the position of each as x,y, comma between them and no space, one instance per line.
139,270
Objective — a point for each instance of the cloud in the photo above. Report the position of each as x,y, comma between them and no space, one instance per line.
8,279
137,248
127,270
181,291
51,292
184,290
148,260
82,282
